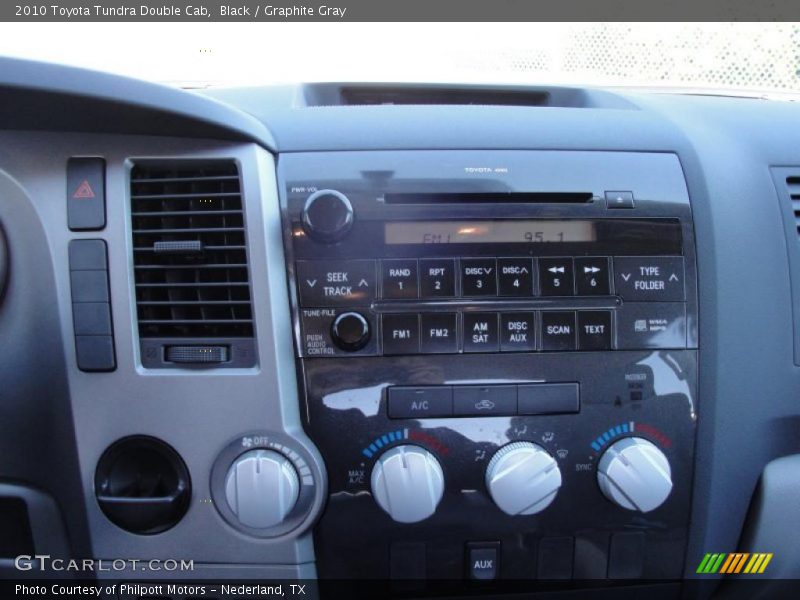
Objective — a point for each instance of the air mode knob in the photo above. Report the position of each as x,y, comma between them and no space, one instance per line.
635,474
523,479
327,216
261,488
408,483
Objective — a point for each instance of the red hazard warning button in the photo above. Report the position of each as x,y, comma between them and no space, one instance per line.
84,190
86,194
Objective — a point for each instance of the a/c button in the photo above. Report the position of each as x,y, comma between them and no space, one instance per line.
420,402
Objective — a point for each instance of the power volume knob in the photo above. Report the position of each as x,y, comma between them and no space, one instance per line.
635,474
261,488
327,216
408,483
522,478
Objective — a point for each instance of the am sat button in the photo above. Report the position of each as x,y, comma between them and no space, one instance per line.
480,332
420,402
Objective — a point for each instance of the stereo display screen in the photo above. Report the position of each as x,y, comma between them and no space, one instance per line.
490,232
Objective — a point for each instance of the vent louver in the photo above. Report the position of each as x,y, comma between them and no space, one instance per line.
190,251
793,188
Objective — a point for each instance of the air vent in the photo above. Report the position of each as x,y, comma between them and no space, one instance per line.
190,253
793,189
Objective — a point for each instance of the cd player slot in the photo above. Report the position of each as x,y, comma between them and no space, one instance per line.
553,303
490,198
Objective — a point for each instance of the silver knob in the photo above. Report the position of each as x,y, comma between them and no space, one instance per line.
408,483
261,488
635,474
523,479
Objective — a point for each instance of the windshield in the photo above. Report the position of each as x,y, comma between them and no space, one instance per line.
760,57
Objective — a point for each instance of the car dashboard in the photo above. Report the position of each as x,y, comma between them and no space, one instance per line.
447,339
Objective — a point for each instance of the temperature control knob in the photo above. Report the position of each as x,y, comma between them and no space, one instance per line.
261,488
635,474
408,483
327,216
523,479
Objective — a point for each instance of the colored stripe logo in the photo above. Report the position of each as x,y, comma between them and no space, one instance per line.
734,562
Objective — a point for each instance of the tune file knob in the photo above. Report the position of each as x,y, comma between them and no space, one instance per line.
634,474
261,488
327,216
408,483
522,478
350,331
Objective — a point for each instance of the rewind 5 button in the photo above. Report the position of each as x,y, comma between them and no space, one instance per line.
556,276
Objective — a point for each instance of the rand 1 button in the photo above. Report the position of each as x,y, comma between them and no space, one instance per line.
437,277
591,276
558,330
649,278
420,402
556,277
480,332
594,330
515,276
325,283
548,398
478,277
651,325
517,332
401,334
399,278
484,400
438,333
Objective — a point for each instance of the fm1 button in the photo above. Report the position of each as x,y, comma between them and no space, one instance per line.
517,332
480,332
482,560
399,278
594,330
400,334
558,330
556,277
